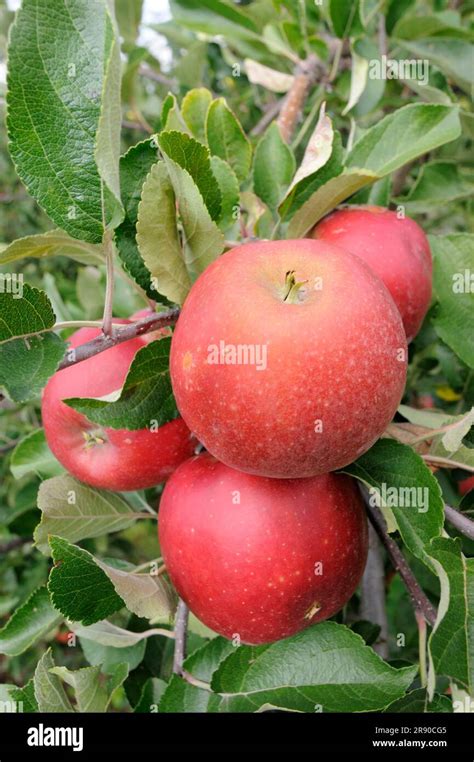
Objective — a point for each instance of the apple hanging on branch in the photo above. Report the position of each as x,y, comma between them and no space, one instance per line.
260,559
288,359
115,459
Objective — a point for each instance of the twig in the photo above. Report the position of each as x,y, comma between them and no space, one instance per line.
305,75
438,460
17,542
129,125
399,178
421,624
109,288
373,593
180,633
269,115
122,333
420,601
162,79
461,522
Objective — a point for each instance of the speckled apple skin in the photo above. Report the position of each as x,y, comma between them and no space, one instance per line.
336,361
246,552
127,460
396,249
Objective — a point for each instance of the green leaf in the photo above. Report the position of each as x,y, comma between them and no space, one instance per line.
129,14
203,241
107,634
417,701
49,691
411,27
25,697
109,657
79,588
404,135
24,311
151,694
230,194
32,621
91,694
32,455
331,192
345,18
87,590
26,364
398,138
438,183
214,18
194,108
359,75
74,511
134,168
451,643
181,696
273,167
192,156
307,181
50,244
452,56
400,480
227,140
157,236
171,118
145,595
453,263
146,397
326,665
64,90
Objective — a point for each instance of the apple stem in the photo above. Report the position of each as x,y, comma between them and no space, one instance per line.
180,634
421,603
109,288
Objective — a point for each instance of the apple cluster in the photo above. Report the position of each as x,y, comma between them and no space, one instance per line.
288,362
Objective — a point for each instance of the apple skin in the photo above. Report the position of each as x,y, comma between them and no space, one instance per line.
466,485
396,249
336,360
249,568
125,460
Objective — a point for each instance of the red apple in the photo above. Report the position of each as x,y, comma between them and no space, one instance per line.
395,248
114,459
466,485
288,359
261,558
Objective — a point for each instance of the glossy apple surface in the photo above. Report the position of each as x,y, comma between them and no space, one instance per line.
396,249
115,459
261,558
310,375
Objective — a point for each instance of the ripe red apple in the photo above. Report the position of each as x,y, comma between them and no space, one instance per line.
396,249
288,359
466,485
261,558
114,459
